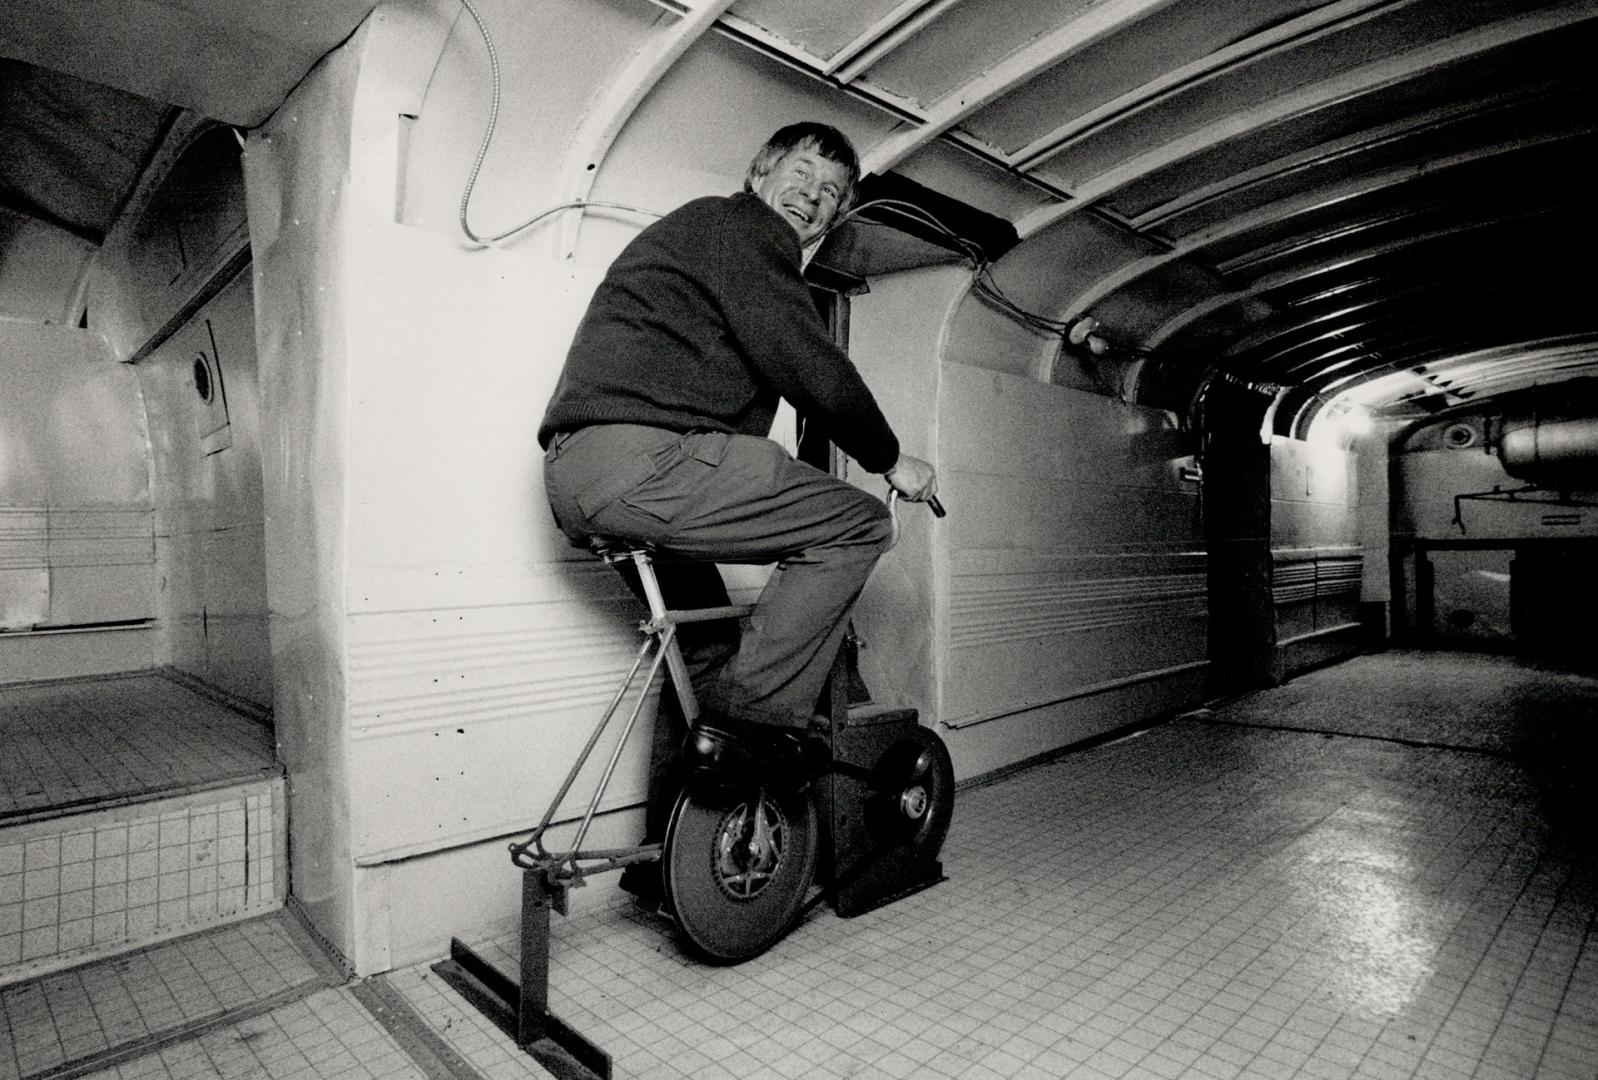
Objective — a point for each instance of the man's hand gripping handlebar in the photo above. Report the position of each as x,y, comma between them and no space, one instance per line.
916,480
893,513
931,500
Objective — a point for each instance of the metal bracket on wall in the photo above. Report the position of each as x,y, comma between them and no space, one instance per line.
1527,494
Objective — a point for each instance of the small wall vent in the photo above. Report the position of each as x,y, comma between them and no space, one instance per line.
1460,436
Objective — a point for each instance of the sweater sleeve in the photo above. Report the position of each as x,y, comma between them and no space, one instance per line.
775,326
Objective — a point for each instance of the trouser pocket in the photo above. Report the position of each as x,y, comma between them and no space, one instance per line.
627,480
678,471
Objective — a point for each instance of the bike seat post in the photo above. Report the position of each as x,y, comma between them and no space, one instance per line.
663,624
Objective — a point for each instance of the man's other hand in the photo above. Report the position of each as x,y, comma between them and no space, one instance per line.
913,478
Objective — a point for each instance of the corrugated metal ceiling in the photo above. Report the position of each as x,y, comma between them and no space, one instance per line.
1315,195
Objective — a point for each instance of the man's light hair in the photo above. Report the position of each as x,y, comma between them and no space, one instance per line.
831,143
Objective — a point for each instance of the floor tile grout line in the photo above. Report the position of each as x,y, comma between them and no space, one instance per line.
98,745
1416,744
1570,977
430,1052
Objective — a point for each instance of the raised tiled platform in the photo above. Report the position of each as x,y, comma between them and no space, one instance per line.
132,809
94,884
93,741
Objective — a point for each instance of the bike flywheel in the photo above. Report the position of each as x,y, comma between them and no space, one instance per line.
913,795
737,864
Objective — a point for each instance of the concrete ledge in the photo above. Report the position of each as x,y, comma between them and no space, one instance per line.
1306,651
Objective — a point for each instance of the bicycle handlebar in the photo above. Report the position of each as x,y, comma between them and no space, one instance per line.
893,513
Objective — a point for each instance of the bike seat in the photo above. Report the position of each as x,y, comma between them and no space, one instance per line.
611,548
616,549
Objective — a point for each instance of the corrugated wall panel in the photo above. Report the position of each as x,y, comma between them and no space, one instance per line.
1075,560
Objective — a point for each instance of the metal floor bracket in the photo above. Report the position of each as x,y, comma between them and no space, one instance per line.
522,1012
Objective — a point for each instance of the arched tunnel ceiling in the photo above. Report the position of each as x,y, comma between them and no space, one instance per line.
1345,197
1333,197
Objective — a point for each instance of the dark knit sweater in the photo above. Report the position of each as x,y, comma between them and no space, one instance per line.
702,322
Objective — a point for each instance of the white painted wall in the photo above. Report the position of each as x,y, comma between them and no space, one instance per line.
295,176
1317,570
1371,476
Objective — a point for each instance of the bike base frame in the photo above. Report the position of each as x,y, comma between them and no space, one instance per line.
521,1009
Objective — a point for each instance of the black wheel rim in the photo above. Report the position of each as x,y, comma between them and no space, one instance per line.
913,799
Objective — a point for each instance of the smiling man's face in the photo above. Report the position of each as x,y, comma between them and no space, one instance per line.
806,188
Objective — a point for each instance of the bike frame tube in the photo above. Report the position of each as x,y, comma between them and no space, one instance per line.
658,620
667,640
536,841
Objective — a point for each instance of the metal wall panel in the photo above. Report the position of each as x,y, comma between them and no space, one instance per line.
210,521
1076,562
464,719
24,567
75,517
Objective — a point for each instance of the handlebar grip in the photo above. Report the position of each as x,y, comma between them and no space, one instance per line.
936,507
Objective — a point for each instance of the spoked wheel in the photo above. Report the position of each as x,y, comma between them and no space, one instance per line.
737,864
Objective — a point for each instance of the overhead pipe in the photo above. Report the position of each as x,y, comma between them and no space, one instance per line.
1554,453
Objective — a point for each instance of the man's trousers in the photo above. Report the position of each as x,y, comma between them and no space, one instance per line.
711,497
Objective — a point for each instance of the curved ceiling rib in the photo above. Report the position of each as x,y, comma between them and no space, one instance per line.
1462,380
1369,270
1095,23
1365,79
1496,370
604,120
1277,214
885,35
1052,143
1389,138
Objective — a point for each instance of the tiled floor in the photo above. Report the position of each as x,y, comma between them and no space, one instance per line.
329,1034
1213,899
132,808
78,1015
88,741
1376,872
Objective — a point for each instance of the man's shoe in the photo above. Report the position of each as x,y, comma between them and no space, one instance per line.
715,747
727,749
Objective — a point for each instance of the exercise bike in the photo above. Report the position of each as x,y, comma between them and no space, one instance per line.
743,859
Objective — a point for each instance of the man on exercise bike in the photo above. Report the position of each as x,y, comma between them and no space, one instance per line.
656,433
